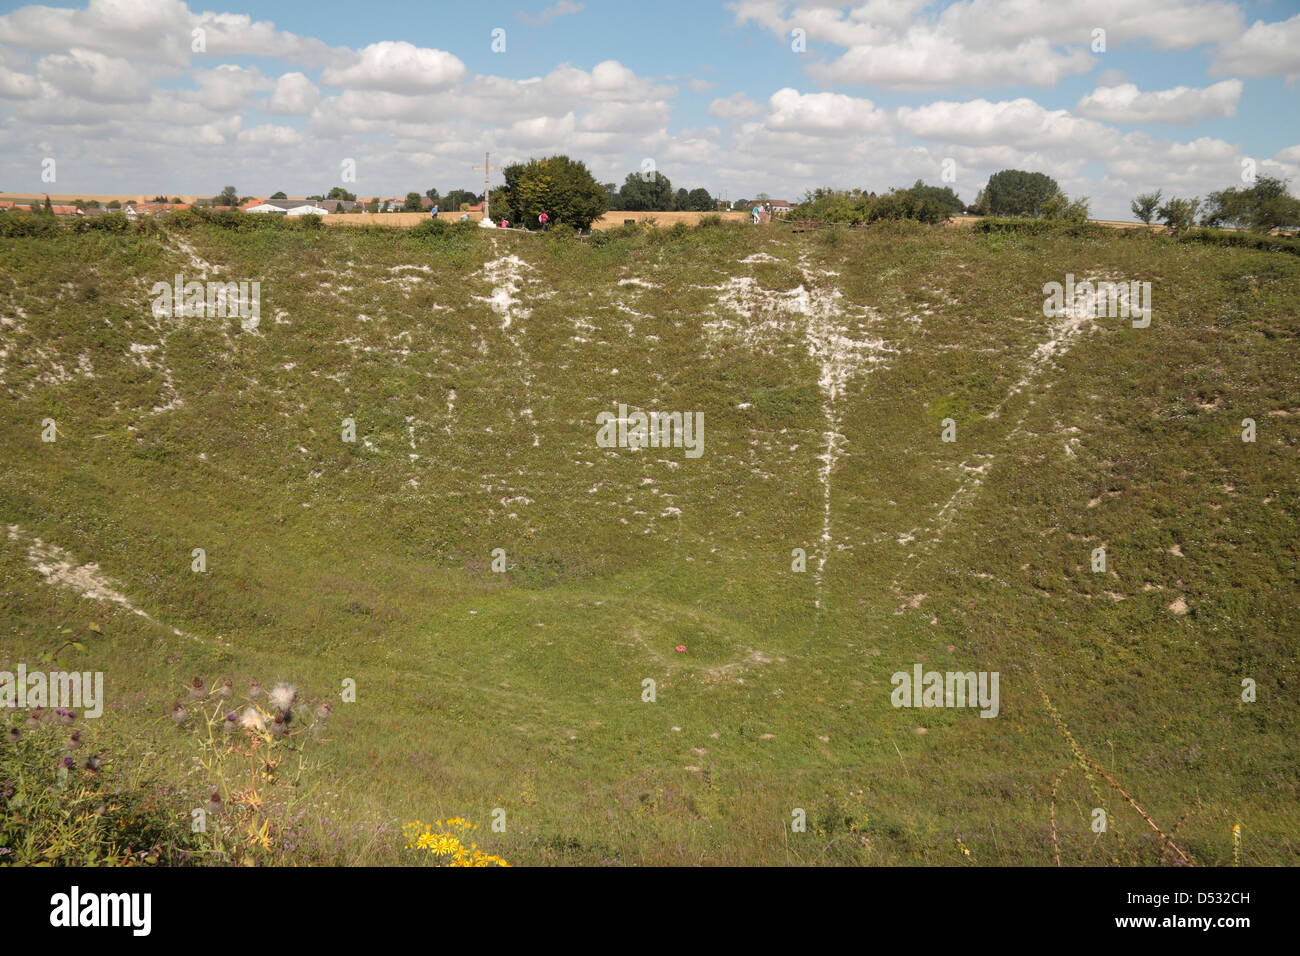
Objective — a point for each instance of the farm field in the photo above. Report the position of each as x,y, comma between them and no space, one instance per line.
827,367
608,221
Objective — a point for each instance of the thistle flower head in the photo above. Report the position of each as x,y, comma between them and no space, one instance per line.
13,735
179,712
253,721
283,696
93,763
278,726
231,721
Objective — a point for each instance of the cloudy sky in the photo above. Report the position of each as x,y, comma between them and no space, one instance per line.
1111,97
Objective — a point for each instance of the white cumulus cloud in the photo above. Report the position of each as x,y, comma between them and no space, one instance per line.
1125,103
397,67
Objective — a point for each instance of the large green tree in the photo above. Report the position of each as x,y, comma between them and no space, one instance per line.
558,186
699,200
1014,192
646,192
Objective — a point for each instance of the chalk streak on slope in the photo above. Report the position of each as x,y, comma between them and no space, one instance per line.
60,569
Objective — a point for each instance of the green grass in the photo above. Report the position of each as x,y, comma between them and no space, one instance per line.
523,690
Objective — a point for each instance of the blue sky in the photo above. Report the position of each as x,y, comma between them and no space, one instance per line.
282,93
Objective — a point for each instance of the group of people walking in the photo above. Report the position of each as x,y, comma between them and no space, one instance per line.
542,220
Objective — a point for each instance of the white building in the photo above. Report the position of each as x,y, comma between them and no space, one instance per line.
289,207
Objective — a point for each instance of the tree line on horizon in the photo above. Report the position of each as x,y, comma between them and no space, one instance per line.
1261,207
1010,192
566,192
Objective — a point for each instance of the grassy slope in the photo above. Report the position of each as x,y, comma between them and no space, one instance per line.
478,690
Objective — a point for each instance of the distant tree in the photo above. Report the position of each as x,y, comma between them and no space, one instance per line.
433,194
646,193
1144,206
279,195
1059,206
611,194
903,204
114,204
412,203
338,192
456,198
1014,192
762,197
558,186
159,199
314,198
176,200
1179,214
681,199
373,206
228,197
49,208
741,204
699,200
943,197
920,203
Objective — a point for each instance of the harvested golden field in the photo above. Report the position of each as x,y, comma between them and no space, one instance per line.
391,218
617,218
607,221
